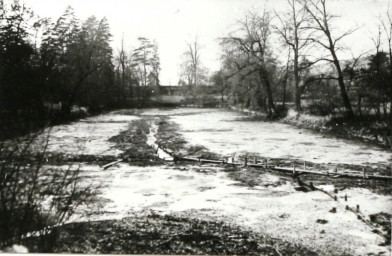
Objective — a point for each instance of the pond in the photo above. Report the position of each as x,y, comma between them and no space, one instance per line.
273,207
224,132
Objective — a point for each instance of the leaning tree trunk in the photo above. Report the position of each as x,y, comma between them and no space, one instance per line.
342,87
264,77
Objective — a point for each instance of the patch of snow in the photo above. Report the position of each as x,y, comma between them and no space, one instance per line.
111,117
89,136
173,111
293,114
15,249
278,211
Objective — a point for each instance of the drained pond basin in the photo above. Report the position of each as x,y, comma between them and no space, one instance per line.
258,200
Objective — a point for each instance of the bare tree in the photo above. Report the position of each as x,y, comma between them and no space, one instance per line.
122,60
293,30
317,9
192,55
146,62
254,44
386,24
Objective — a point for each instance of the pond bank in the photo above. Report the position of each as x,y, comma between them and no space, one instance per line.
366,130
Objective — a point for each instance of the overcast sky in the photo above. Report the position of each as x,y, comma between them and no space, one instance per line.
173,22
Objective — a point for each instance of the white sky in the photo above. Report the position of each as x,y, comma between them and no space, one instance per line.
173,22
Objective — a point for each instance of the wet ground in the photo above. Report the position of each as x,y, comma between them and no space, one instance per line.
269,206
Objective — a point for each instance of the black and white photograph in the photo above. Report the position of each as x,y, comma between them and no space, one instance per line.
196,127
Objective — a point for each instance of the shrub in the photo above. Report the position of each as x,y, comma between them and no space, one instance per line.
33,197
321,108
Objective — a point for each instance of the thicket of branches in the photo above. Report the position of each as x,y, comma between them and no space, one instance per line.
35,197
48,68
275,58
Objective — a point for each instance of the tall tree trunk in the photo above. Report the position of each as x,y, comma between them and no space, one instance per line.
342,87
359,105
390,110
284,93
267,85
296,81
286,77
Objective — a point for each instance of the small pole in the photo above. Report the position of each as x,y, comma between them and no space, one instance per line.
345,197
305,165
293,169
246,160
336,169
335,198
357,207
311,185
265,163
232,160
364,172
255,159
327,173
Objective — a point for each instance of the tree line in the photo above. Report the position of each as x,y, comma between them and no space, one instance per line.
273,58
47,67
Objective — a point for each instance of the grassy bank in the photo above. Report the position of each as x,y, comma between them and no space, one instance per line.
366,129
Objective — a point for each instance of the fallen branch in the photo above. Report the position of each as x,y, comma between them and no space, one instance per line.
282,169
332,174
362,217
112,163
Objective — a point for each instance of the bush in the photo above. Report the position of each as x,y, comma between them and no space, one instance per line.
321,108
33,197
